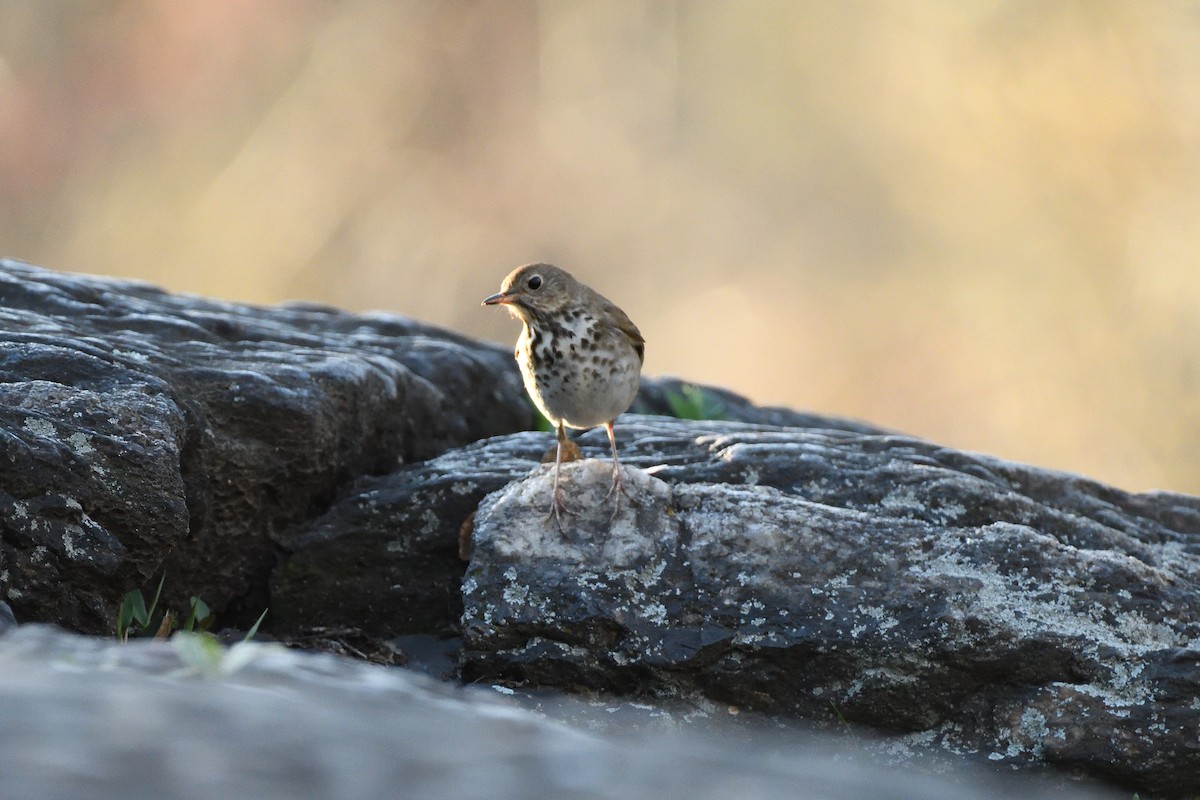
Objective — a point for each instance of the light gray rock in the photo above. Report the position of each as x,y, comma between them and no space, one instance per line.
89,718
959,603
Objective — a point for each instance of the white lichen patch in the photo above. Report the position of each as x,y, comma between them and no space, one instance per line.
1032,607
430,523
80,443
1029,736
656,613
883,619
39,427
889,677
516,594
841,581
1125,688
904,747
71,536
903,500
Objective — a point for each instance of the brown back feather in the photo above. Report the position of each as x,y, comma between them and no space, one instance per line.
625,325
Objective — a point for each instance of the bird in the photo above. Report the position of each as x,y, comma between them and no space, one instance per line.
580,357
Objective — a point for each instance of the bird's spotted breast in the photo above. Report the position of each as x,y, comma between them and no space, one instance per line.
576,369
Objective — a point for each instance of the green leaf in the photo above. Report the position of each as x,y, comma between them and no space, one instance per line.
157,594
198,615
132,607
254,628
692,402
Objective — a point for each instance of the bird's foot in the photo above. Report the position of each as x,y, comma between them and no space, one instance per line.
558,507
616,490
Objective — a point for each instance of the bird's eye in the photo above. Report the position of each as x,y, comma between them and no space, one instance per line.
535,282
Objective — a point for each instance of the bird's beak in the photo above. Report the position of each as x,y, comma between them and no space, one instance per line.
500,298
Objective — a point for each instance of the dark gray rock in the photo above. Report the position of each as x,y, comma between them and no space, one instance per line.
89,718
813,570
383,560
142,431
960,603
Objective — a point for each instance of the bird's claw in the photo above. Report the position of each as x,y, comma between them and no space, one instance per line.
557,508
615,491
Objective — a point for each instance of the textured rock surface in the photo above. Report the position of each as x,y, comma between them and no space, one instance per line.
383,559
141,430
961,603
267,723
325,464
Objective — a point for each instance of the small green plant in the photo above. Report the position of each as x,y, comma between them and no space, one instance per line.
136,618
198,614
202,654
134,613
837,712
692,402
254,628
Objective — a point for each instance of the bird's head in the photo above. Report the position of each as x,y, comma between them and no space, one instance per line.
535,291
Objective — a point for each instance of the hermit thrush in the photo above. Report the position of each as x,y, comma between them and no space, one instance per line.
579,354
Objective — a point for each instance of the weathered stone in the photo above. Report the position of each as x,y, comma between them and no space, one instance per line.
89,718
961,603
142,431
383,559
811,569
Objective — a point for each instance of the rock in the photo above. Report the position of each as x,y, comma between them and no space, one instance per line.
91,718
145,432
959,603
383,559
816,571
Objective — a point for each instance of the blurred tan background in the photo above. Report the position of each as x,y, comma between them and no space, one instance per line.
972,221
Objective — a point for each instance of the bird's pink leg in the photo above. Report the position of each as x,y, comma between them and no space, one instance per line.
557,506
618,485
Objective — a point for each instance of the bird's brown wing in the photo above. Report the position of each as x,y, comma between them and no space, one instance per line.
625,325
